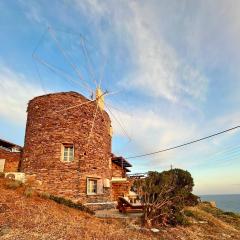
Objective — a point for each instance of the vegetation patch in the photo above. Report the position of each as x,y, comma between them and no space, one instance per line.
67,202
164,196
13,184
28,192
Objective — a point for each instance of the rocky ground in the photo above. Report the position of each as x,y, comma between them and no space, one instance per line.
23,215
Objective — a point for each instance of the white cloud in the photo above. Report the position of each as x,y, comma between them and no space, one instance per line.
158,70
150,131
32,12
15,92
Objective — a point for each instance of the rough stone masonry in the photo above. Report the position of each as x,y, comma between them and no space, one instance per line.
62,118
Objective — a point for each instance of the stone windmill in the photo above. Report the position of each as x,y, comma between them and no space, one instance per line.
68,142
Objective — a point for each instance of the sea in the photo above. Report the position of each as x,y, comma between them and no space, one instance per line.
227,202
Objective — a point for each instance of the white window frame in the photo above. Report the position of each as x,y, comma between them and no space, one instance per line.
3,164
89,190
98,186
66,148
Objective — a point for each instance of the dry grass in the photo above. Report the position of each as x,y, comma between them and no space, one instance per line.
32,218
23,217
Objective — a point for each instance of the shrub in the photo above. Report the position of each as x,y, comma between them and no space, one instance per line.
231,214
13,184
191,200
188,213
67,202
164,196
179,218
45,195
28,192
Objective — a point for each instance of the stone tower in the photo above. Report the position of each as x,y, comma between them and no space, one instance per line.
61,153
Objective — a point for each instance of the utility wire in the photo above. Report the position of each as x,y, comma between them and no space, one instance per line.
182,145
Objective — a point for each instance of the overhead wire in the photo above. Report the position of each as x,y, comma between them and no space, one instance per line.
182,145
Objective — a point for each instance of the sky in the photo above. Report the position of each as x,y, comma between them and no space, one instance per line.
172,68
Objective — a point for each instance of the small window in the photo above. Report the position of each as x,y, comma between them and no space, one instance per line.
92,186
67,152
2,162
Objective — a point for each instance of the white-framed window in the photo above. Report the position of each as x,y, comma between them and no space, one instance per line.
91,186
94,186
67,152
2,162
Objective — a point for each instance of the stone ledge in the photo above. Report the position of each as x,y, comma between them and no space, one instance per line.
101,205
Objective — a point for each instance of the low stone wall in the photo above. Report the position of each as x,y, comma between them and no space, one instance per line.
101,206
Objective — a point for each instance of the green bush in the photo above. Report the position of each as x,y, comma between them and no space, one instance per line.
45,195
13,184
164,196
231,214
28,192
179,218
188,213
67,202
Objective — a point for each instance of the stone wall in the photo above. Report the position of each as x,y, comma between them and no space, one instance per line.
118,171
48,127
12,160
120,189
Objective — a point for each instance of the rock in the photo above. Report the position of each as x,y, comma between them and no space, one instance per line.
155,230
4,231
226,235
213,204
203,222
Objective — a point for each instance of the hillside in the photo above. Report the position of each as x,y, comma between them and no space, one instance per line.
32,217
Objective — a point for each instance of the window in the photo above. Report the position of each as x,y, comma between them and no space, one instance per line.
67,152
2,162
92,186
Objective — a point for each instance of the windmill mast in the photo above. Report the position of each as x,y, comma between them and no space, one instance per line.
100,98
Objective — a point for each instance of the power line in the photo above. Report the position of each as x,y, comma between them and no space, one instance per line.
184,144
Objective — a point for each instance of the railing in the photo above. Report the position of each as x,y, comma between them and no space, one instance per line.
137,175
9,149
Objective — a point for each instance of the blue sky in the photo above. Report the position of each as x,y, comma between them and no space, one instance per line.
174,65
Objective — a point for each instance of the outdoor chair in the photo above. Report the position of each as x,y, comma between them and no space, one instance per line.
124,206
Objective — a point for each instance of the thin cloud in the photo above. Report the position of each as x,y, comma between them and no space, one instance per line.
15,92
